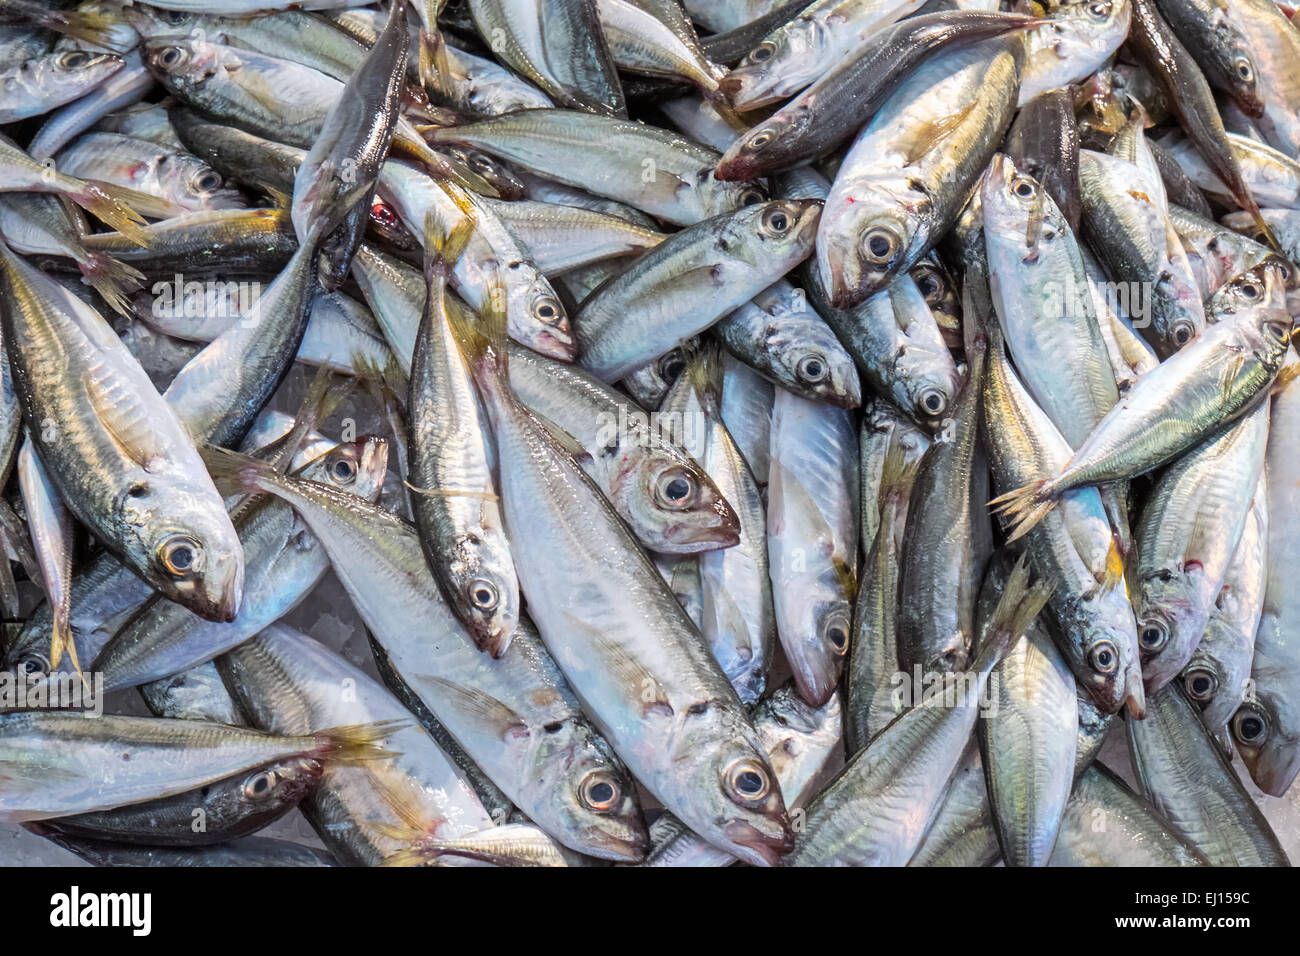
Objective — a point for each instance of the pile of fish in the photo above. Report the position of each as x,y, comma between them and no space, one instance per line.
785,433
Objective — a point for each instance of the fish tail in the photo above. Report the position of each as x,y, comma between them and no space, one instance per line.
1285,376
897,470
442,247
86,25
356,743
1020,603
109,204
703,369
113,280
482,338
1025,507
235,474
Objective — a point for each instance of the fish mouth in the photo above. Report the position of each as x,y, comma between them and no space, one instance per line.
731,86
222,591
559,346
735,168
757,847
1275,769
631,848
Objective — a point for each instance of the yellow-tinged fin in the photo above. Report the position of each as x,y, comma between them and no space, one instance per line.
1025,507
1018,606
357,743
927,135
483,343
234,473
703,370
113,280
1285,376
1114,567
443,248
112,205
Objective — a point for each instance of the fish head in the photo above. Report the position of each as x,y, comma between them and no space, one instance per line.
1213,686
1171,617
818,649
780,66
357,467
189,551
671,503
1075,32
717,197
278,785
771,146
940,293
70,71
496,174
537,317
1105,657
196,185
1256,304
183,63
725,786
798,737
150,22
482,586
1017,210
1266,732
597,806
863,241
811,362
785,229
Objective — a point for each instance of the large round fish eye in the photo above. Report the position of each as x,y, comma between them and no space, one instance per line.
483,594
1103,657
880,245
1249,727
599,791
1200,684
181,555
748,780
675,489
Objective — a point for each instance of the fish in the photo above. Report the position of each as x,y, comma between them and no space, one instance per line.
660,698
934,135
59,763
724,261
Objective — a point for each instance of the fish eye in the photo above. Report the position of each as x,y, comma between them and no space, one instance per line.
1249,727
879,245
260,785
752,196
776,221
1280,331
1024,187
671,366
1100,9
675,489
929,285
74,60
32,663
548,310
1182,333
1103,657
483,594
343,470
811,368
1153,634
1244,70
764,51
181,555
1250,289
932,402
171,57
174,17
599,791
837,633
207,181
759,140
748,780
1200,684
382,214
